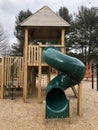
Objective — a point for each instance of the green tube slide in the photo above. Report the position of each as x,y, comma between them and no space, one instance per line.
72,71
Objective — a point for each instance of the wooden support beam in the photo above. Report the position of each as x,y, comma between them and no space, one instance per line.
70,113
2,80
25,67
79,100
74,91
63,40
40,75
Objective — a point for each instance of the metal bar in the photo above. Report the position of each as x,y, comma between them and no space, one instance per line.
97,75
92,76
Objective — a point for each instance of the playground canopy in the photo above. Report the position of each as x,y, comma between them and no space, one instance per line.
45,17
45,24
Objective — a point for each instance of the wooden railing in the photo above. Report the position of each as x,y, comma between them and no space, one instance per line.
35,53
12,66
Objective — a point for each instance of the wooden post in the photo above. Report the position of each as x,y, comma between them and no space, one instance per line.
40,75
25,66
79,100
70,113
63,40
2,81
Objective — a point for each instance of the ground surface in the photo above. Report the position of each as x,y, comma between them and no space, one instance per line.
16,115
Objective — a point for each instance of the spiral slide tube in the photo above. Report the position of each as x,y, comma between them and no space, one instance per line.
72,72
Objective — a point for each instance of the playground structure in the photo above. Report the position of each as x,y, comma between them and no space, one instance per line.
44,24
37,27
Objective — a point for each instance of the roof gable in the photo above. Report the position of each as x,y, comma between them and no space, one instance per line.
45,17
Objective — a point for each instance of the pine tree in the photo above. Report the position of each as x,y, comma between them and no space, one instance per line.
17,48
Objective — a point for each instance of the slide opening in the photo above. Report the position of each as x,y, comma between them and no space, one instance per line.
56,99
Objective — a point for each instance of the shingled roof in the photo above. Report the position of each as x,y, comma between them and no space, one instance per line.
45,17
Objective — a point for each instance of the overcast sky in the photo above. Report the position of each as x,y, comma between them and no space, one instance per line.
10,8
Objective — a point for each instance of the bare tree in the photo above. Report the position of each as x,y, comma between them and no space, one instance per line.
4,42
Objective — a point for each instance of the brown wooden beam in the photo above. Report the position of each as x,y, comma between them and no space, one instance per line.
63,40
40,76
79,100
2,80
25,66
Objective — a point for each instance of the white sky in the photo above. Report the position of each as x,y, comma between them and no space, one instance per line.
9,9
